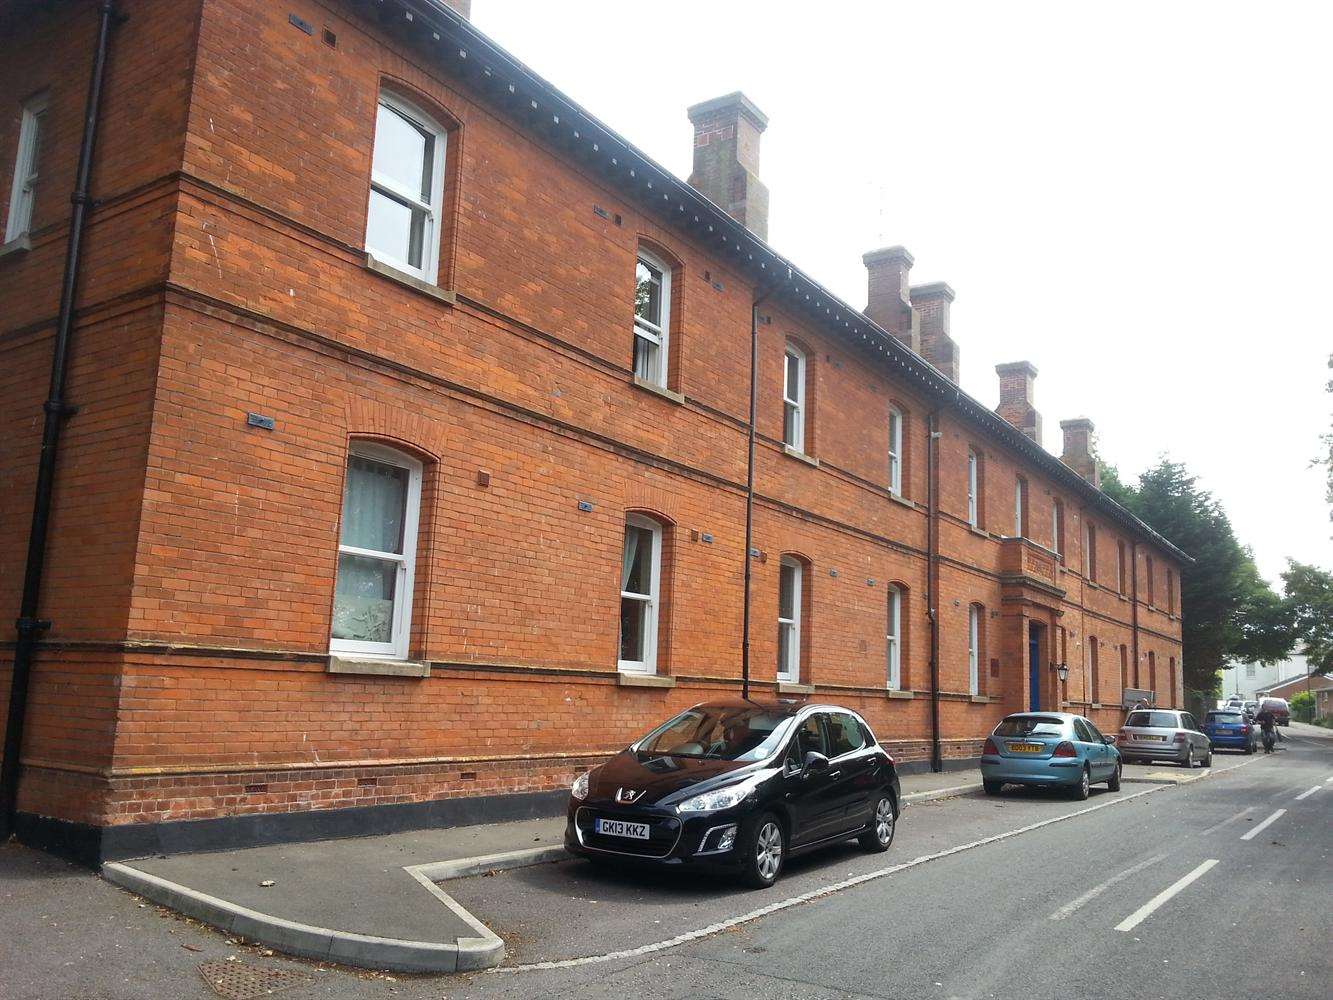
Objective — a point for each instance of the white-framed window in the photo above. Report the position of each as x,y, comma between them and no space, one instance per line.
1090,550
893,638
1020,498
895,451
26,164
789,620
973,504
1058,528
377,547
652,318
640,594
793,399
1120,567
406,189
973,649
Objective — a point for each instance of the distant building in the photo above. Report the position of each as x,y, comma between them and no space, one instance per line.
1247,679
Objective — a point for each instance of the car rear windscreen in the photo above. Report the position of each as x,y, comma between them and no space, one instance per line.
1031,725
1227,717
1161,720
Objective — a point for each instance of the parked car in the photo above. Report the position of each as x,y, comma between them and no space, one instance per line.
1164,734
1230,728
738,786
1251,708
1280,709
1049,749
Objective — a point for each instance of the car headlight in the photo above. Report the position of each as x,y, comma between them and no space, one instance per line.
580,787
720,798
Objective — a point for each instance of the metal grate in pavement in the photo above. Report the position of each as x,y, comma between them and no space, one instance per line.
238,981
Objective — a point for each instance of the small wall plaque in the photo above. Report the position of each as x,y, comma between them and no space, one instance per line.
585,505
259,420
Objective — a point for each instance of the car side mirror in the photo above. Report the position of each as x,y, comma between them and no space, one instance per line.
1109,740
814,763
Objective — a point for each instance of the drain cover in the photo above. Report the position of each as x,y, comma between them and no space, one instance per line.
238,981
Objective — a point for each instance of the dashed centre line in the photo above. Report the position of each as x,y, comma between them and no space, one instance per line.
1251,834
1307,794
1230,819
1148,908
1096,891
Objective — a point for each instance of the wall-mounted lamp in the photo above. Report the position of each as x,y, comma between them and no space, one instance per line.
1062,671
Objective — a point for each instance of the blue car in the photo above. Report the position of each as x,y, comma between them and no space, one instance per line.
1229,729
1049,749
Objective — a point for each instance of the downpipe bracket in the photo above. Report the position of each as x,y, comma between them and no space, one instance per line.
32,627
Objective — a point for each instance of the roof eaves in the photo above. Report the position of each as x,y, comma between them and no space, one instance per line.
478,56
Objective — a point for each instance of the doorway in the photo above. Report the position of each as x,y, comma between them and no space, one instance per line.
1034,667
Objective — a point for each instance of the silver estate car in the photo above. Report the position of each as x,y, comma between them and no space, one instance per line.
1164,734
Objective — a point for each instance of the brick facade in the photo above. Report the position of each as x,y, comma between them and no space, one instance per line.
193,557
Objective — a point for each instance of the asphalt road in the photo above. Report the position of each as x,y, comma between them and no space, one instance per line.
1153,892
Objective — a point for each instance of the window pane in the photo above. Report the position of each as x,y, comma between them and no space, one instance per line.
790,415
787,592
374,505
395,230
646,355
844,734
403,152
636,567
633,623
792,387
648,293
363,599
786,649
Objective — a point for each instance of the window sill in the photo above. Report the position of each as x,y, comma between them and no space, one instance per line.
792,687
800,456
628,680
19,244
657,390
377,667
981,532
444,295
906,695
1095,704
981,699
899,498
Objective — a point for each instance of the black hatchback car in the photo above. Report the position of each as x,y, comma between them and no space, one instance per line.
740,786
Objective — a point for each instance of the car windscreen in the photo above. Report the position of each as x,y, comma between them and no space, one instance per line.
1160,720
1031,725
1225,717
739,733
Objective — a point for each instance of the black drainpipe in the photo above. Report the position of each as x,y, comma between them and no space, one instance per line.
29,626
933,583
749,486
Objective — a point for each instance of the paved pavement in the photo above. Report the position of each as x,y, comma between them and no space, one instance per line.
962,906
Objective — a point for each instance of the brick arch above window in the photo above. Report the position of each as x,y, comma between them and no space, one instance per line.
396,428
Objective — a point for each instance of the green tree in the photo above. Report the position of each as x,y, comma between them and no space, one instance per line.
1310,603
1229,611
1302,706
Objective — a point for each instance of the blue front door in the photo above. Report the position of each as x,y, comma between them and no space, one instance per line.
1034,668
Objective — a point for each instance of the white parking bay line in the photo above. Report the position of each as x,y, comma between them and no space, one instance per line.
1146,910
1230,819
1096,891
1251,834
1306,795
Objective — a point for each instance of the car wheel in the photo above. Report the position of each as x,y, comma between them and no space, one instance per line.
1189,758
765,852
882,826
1208,758
1084,784
992,787
1114,783
1249,749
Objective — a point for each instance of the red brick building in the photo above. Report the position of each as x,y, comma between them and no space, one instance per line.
407,469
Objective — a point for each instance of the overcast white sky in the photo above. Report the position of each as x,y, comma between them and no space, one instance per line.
1136,197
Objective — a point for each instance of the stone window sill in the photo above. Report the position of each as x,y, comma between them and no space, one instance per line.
893,693
384,270
899,498
980,699
792,687
626,679
800,456
376,667
980,532
657,390
19,244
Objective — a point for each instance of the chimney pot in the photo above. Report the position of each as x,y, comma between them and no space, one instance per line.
1077,453
932,303
889,302
726,158
1016,397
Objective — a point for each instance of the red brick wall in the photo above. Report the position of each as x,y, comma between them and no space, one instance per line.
200,552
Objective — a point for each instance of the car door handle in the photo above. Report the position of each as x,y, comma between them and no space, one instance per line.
834,774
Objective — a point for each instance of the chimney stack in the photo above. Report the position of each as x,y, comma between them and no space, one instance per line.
463,7
1016,404
1077,452
932,303
889,302
726,159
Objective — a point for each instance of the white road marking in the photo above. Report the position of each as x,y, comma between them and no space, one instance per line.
1147,909
1096,891
1306,795
1250,835
1230,819
813,894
